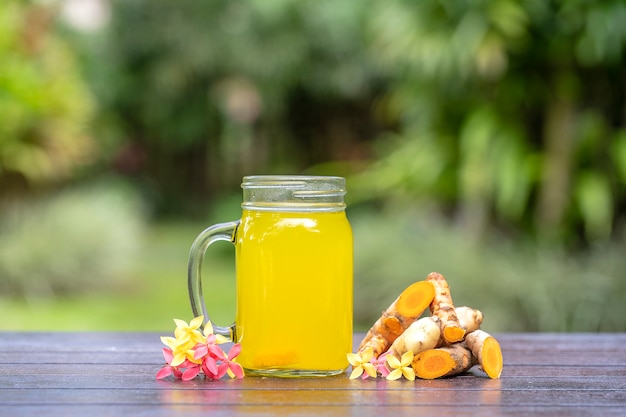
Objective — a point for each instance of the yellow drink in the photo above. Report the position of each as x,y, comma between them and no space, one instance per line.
294,291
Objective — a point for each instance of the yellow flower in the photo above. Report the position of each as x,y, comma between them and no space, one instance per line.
401,367
186,337
361,365
180,351
208,330
189,333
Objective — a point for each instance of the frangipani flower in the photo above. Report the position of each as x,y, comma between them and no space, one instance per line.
401,367
361,365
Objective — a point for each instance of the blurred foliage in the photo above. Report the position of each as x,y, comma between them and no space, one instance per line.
45,103
75,241
486,139
206,91
151,295
518,287
503,114
507,113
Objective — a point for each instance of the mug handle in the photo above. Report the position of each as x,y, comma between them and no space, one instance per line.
220,231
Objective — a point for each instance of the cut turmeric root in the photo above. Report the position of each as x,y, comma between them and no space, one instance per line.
445,361
469,318
425,333
443,307
487,350
405,310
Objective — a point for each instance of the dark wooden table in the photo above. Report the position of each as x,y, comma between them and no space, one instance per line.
102,374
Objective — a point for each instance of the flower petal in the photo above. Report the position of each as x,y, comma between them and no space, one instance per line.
196,322
190,355
408,373
196,336
395,374
356,372
210,366
191,373
178,359
234,351
208,328
180,324
200,351
219,339
236,370
367,354
354,359
168,355
370,370
393,362
407,358
217,352
210,339
169,342
380,364
222,368
164,372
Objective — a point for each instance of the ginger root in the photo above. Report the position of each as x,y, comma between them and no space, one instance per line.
405,310
422,335
487,351
444,361
443,307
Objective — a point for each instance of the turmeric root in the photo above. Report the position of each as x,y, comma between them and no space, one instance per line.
487,350
422,335
444,361
443,307
470,319
406,309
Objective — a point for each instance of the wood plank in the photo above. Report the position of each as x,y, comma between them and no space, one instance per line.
138,342
451,410
306,398
149,370
153,356
147,382
104,374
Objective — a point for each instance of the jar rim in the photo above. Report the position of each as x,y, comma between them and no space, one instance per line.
277,180
294,192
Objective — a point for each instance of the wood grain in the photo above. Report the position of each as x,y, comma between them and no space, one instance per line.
102,374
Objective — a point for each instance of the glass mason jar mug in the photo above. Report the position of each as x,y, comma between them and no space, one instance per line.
294,276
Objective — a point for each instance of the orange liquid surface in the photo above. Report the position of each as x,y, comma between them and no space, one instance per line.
294,290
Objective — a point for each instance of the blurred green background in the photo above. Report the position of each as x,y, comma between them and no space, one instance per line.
482,139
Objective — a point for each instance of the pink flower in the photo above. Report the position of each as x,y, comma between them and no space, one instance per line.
209,354
190,353
191,372
228,363
168,369
380,364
